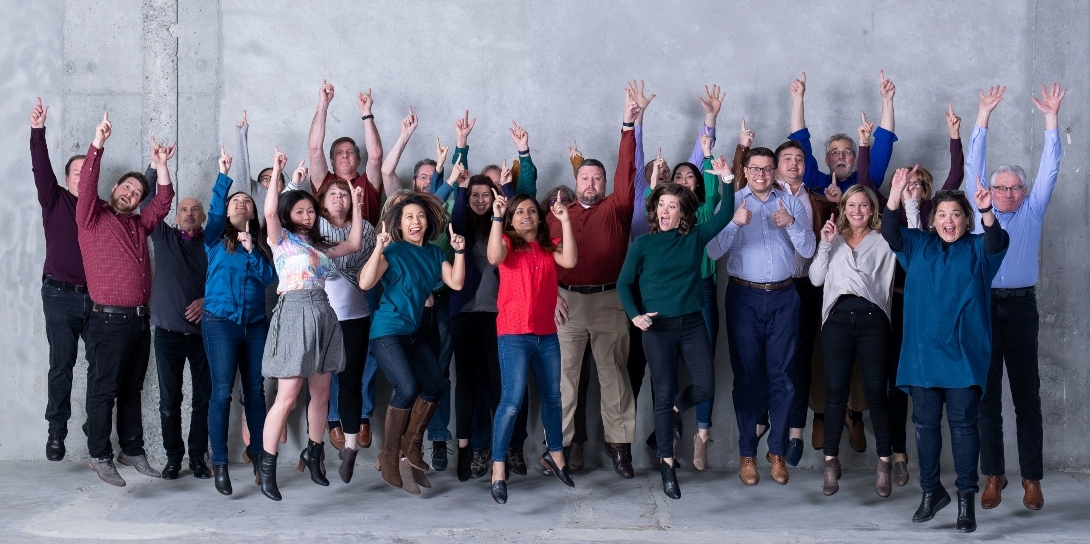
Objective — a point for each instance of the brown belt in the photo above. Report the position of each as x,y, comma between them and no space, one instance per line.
763,286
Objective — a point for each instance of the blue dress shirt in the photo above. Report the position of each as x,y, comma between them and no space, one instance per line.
760,251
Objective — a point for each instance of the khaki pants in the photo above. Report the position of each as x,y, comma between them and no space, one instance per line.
857,402
600,320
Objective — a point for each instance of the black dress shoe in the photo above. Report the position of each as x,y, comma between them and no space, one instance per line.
930,504
966,512
794,451
499,491
561,474
621,456
223,479
172,468
669,480
465,462
200,469
54,447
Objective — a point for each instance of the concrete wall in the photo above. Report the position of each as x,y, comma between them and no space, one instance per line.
186,70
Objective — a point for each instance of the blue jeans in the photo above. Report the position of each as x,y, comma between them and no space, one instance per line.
410,365
710,312
232,348
519,353
438,427
962,407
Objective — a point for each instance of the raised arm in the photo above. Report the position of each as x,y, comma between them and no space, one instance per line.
376,265
636,90
1049,169
319,168
497,248
712,102
745,140
159,207
217,208
576,157
566,254
957,157
454,275
390,182
886,89
153,178
812,176
44,178
995,238
355,236
272,199
88,176
527,171
242,141
713,172
372,142
862,166
798,109
975,163
462,128
436,181
624,177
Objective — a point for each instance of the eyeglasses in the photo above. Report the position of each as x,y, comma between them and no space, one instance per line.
840,152
754,170
562,200
1014,189
913,185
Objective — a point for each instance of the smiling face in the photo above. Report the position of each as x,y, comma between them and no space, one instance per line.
126,195
414,223
791,166
840,158
759,174
1008,192
685,177
858,210
590,184
345,160
668,210
950,221
480,198
525,219
240,209
337,202
422,181
303,214
190,214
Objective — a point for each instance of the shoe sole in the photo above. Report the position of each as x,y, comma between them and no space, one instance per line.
943,503
99,474
125,462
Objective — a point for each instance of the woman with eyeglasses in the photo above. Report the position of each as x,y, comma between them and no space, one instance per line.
856,267
948,335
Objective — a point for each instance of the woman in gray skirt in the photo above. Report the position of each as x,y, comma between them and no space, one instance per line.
304,337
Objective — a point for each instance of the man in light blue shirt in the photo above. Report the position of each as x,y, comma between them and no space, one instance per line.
1015,320
762,306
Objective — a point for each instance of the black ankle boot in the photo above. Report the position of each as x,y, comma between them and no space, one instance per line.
254,459
669,480
465,463
966,512
267,475
314,458
930,504
223,479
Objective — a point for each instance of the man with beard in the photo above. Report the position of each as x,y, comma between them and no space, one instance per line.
114,241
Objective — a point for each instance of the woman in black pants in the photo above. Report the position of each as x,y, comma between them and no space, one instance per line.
856,267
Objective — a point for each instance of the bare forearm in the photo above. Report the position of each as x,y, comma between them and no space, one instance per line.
316,142
570,254
887,115
374,152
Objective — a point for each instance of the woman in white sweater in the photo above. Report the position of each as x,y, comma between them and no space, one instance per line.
856,266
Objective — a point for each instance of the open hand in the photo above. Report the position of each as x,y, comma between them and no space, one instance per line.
1049,104
636,89
712,100
992,98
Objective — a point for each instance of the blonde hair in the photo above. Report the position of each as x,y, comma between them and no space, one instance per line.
875,222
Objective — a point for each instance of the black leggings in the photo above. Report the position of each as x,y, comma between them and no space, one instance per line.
477,363
898,399
350,380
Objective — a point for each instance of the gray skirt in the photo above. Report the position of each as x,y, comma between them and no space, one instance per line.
304,337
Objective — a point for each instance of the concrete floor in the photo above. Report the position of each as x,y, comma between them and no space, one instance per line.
41,501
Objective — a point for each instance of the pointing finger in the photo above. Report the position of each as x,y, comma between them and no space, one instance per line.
105,116
803,77
450,229
223,152
881,76
39,101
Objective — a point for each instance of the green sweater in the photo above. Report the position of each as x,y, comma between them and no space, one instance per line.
705,211
667,266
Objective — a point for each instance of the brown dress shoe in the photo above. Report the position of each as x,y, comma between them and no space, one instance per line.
622,459
1033,499
747,470
364,438
832,476
779,468
336,438
857,434
884,484
817,439
900,472
992,496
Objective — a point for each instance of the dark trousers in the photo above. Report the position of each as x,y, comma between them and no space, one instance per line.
122,347
66,315
350,380
1015,324
962,406
848,336
234,349
897,398
669,341
763,328
171,351
410,364
478,363
438,427
810,298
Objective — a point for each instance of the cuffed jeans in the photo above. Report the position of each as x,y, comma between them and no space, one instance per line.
171,351
122,348
233,348
848,336
409,364
66,316
667,340
518,354
962,406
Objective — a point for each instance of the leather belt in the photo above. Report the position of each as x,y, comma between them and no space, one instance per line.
1008,293
763,286
588,289
138,311
52,282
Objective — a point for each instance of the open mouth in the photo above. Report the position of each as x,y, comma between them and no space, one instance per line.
664,222
414,232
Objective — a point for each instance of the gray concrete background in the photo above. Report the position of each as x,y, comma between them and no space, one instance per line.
186,70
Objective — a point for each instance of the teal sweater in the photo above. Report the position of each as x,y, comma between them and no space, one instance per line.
667,266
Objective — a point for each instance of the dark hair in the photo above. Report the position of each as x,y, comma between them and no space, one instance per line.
326,187
283,180
555,192
422,162
479,223
760,152
698,188
957,197
789,144
433,210
591,162
686,199
145,187
230,233
288,200
340,141
518,243
68,165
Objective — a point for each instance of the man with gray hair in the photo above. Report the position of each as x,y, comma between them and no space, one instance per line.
1015,320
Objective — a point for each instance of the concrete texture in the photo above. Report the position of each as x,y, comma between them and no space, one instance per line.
186,70
67,502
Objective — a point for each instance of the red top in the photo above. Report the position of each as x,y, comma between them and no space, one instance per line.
527,297
602,231
371,208
115,247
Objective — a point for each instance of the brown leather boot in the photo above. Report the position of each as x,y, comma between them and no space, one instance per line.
884,484
817,438
388,458
747,470
1033,499
832,476
364,438
779,468
413,442
992,495
408,483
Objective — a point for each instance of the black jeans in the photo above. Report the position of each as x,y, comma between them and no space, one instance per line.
350,380
962,408
66,315
411,364
171,351
122,346
897,398
810,298
477,363
669,341
1015,324
847,336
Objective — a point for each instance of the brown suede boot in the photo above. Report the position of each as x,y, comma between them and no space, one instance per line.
396,419
413,441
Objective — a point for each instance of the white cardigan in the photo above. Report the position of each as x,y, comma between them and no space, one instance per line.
868,273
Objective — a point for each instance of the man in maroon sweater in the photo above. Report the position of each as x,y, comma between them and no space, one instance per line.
588,308
114,241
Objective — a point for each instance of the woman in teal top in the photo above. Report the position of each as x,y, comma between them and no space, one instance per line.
409,268
947,333
665,264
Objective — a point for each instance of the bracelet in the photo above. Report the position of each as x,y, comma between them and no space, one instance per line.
628,125
728,177
459,251
368,116
984,210
497,219
524,153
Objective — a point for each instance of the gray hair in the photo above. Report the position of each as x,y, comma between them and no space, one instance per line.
841,136
1008,169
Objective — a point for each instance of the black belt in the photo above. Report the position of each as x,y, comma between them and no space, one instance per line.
1008,293
775,286
52,282
589,289
138,311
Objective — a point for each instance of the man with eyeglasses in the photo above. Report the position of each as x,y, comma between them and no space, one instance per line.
762,307
840,150
1015,320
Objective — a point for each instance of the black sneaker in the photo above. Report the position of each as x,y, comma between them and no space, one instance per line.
439,455
516,461
479,466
